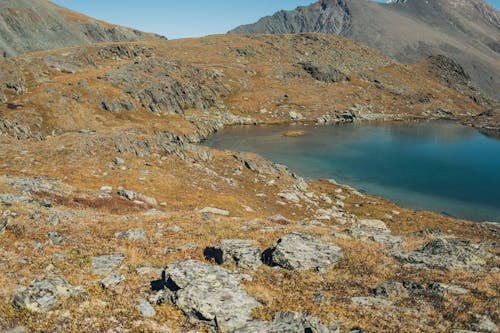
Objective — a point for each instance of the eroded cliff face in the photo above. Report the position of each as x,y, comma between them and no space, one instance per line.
465,31
34,25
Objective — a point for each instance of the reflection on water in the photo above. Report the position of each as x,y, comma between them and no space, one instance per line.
440,166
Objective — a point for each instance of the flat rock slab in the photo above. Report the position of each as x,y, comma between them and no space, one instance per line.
297,251
209,294
44,295
371,301
446,254
242,253
138,234
112,280
373,224
215,211
288,322
106,263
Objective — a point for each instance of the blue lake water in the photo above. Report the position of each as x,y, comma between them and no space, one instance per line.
438,166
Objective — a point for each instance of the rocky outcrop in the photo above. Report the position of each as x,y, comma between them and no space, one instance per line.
208,294
104,264
289,322
242,253
300,252
33,25
325,73
43,295
447,254
407,30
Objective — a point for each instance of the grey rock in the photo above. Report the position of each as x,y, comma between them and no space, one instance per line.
18,329
209,294
133,234
3,224
297,251
371,301
112,280
483,323
442,288
149,271
278,218
104,264
55,238
13,199
373,224
145,308
440,253
288,322
215,211
242,253
381,236
118,161
435,233
43,295
134,196
390,289
324,73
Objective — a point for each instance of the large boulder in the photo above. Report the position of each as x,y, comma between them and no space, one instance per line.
297,251
44,295
242,253
208,294
446,254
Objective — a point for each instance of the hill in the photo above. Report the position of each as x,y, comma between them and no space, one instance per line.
34,25
466,31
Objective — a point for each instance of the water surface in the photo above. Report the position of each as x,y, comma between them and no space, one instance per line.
439,166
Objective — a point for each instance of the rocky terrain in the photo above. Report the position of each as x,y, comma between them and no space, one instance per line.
467,31
115,218
34,25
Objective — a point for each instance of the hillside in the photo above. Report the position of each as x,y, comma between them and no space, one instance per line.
33,25
466,31
114,218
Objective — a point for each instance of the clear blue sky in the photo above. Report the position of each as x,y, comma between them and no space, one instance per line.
184,18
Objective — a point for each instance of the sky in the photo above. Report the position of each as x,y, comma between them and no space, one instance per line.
184,18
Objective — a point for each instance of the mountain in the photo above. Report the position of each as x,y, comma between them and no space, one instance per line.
34,25
466,30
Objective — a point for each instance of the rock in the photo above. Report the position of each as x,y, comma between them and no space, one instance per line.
112,280
18,329
106,189
297,251
435,233
440,253
296,116
134,196
390,289
44,295
374,224
118,161
3,224
133,234
278,219
55,238
381,236
371,301
215,211
290,196
441,288
241,253
106,263
288,322
145,308
483,323
45,203
148,270
209,294
324,73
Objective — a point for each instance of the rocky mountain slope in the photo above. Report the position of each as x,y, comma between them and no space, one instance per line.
467,31
33,25
114,218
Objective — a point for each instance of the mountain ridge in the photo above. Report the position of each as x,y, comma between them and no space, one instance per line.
37,25
407,31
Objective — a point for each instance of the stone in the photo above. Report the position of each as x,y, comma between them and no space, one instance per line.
3,224
443,254
112,280
209,294
242,253
55,238
43,295
442,288
483,323
290,196
381,236
373,224
145,308
278,219
284,322
387,289
134,196
297,251
18,329
148,270
118,161
104,264
106,189
371,301
215,211
133,234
